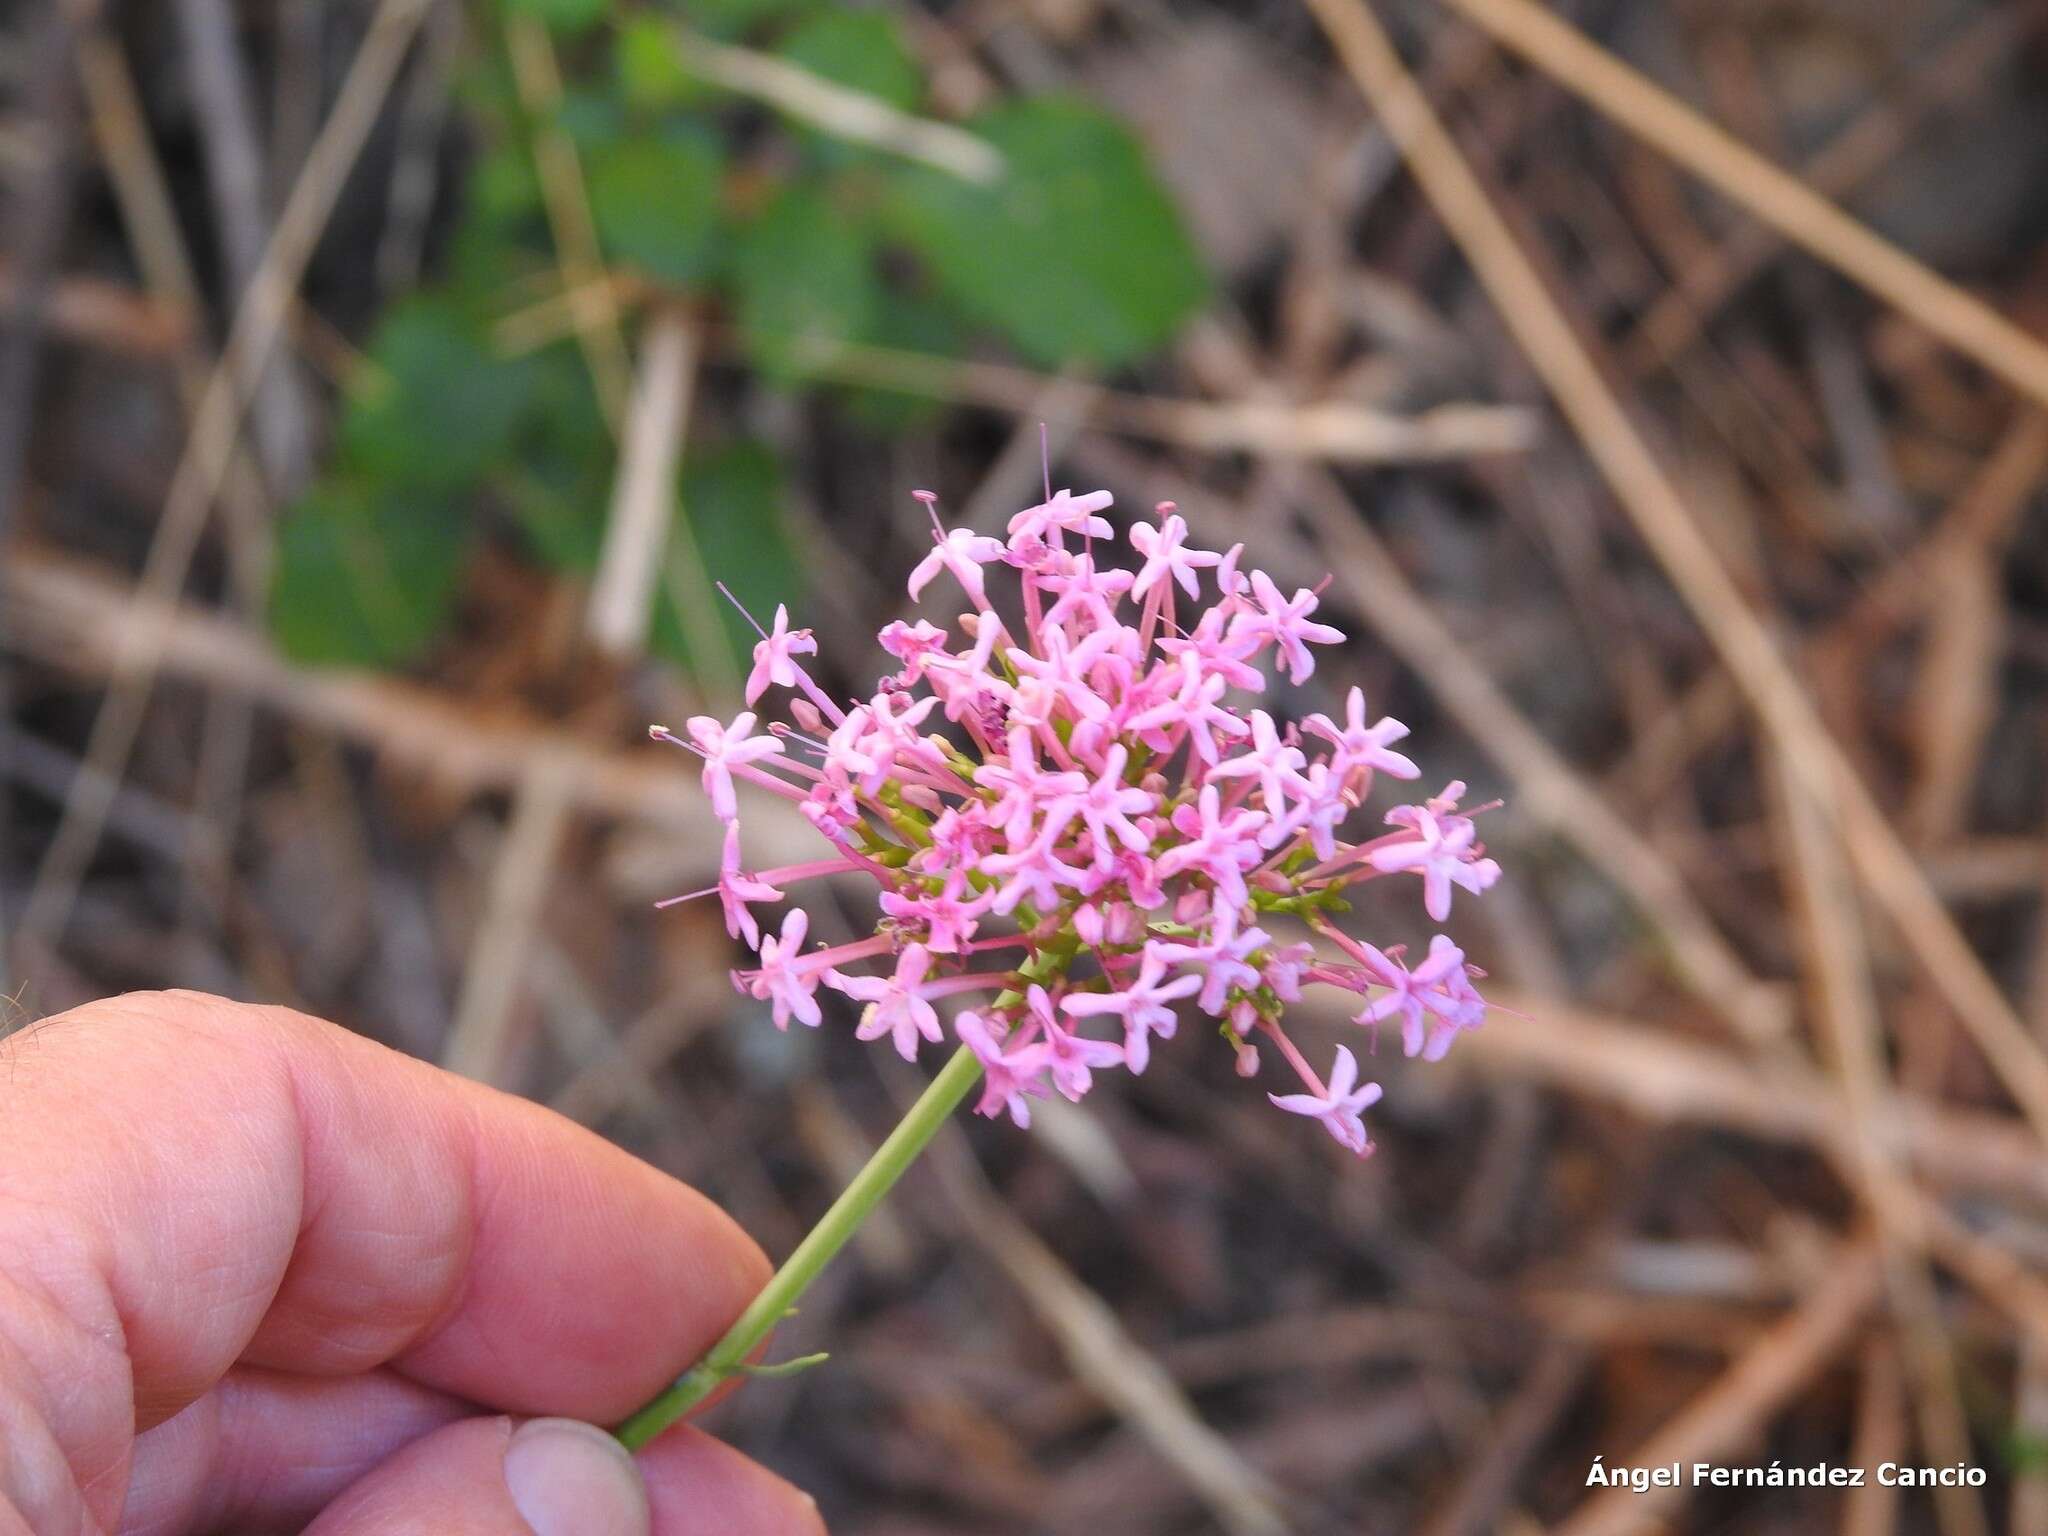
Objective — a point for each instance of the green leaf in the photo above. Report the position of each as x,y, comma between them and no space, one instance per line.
1077,254
2025,1452
590,118
558,484
365,576
504,187
484,86
650,65
806,277
785,1369
497,267
862,50
732,502
656,202
435,408
905,323
733,18
567,16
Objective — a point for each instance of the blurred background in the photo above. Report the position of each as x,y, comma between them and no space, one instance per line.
384,387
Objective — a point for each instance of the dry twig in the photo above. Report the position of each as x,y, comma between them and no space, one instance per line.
74,619
1103,1355
644,495
1780,199
1729,1415
539,80
1847,1007
279,409
841,111
1850,159
1339,431
1334,430
1666,1079
210,449
103,314
1640,484
477,1043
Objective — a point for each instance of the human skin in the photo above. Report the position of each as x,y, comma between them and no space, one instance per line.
259,1273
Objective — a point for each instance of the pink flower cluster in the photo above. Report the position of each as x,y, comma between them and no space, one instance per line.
1077,827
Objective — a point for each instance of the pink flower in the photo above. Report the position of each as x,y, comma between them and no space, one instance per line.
1033,874
1012,1073
1195,708
782,982
1363,746
1135,874
1221,847
1274,764
891,737
1065,513
773,653
1102,826
848,770
1442,851
963,680
1108,925
1064,671
868,746
1107,806
896,1006
1285,622
948,920
1437,987
915,645
1086,593
1222,962
1070,1058
1218,652
725,747
1284,968
963,552
1022,788
959,838
1167,556
1321,808
736,888
1144,1005
1339,1106
1229,582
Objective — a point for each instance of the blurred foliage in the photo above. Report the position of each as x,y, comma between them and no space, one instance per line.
1076,256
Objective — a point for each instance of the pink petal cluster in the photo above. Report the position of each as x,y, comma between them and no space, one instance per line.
1080,822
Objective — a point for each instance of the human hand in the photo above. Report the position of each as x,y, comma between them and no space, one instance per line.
259,1273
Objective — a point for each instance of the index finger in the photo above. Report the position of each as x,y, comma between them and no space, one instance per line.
195,1182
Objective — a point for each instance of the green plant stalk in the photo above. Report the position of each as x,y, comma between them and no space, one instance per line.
728,1357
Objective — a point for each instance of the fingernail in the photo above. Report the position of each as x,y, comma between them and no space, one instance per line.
572,1479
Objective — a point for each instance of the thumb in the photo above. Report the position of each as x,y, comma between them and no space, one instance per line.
484,1477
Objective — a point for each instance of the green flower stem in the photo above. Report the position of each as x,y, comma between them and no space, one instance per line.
728,1357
